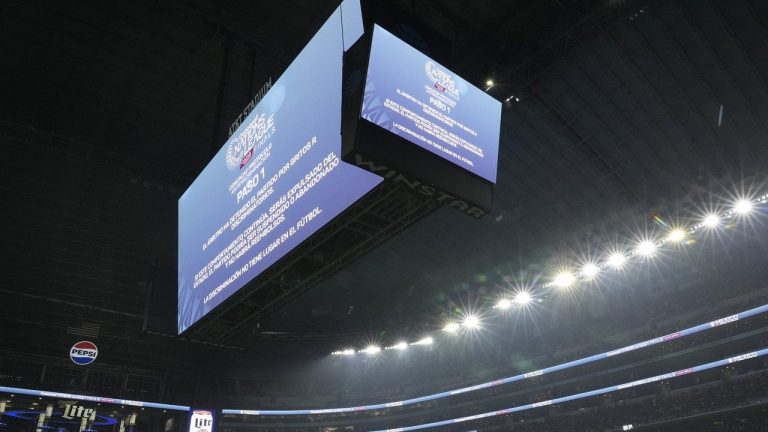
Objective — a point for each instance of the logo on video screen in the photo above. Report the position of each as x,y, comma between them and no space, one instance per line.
241,148
443,81
83,353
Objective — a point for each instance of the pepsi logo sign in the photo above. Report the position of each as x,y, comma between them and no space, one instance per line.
83,353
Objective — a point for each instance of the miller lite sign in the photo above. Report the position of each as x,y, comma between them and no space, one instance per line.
201,421
71,410
83,353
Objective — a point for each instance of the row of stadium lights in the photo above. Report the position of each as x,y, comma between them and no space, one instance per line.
616,260
374,349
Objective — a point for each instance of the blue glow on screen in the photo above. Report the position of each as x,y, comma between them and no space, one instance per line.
275,182
420,100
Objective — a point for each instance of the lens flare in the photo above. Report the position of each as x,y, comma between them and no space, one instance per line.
451,327
471,322
676,235
711,221
646,248
564,279
523,298
617,260
743,207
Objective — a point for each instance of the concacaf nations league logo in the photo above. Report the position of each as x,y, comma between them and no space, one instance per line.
241,148
83,353
443,80
259,128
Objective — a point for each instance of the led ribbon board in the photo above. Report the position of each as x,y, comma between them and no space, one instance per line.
275,182
99,399
520,377
573,397
418,99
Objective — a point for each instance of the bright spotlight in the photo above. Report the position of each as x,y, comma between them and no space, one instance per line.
711,220
346,352
489,83
646,248
743,207
564,279
523,298
471,322
504,304
400,346
617,260
425,341
451,327
676,235
590,270
372,349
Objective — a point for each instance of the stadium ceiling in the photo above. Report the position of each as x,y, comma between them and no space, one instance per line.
109,112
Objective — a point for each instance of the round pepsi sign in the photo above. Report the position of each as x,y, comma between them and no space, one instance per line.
83,353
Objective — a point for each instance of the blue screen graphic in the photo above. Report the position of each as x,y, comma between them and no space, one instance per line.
275,182
423,102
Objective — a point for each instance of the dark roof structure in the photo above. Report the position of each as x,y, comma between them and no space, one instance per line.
614,111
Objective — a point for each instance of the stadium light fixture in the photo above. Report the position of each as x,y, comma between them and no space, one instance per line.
676,235
646,248
564,279
424,341
523,298
590,270
711,220
372,349
346,352
471,322
400,346
504,304
617,260
451,327
743,207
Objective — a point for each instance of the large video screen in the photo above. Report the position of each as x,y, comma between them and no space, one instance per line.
275,182
423,102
